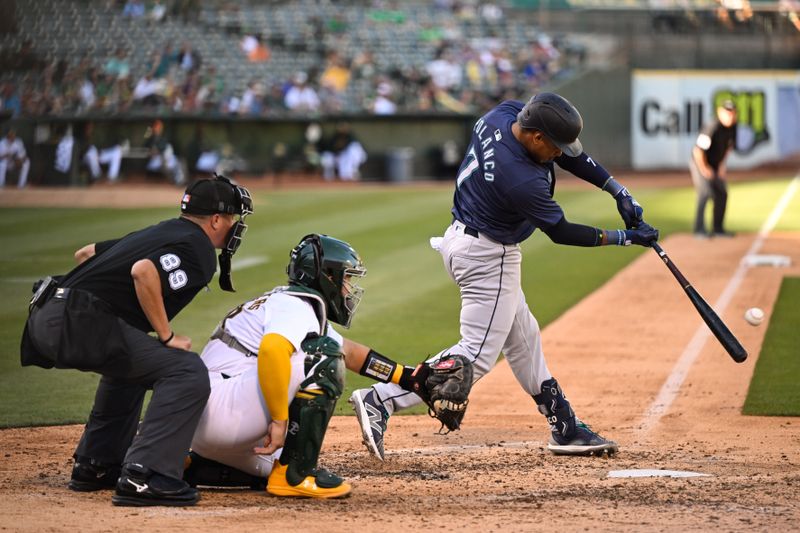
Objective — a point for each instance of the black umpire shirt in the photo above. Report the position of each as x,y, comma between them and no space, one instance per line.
181,252
722,138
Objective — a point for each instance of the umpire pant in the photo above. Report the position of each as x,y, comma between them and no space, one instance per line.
180,385
714,189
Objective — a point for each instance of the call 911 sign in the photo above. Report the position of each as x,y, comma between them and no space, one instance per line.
669,107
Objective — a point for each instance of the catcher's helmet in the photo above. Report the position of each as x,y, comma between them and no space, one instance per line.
557,118
331,268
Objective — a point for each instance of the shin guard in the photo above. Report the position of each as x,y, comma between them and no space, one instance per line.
554,406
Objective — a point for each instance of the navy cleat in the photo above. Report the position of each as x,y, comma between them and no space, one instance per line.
584,441
372,417
569,435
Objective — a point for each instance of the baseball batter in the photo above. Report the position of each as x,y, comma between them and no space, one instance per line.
276,364
504,191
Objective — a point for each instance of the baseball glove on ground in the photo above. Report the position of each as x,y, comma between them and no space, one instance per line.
444,385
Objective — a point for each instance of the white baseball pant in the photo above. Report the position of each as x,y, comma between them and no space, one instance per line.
236,416
10,164
494,314
107,156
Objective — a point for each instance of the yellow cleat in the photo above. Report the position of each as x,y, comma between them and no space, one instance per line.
278,485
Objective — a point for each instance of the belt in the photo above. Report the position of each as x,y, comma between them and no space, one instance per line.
230,341
472,232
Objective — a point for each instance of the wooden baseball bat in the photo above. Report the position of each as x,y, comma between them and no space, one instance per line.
710,317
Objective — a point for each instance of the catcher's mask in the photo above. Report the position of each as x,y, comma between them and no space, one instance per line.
221,195
332,268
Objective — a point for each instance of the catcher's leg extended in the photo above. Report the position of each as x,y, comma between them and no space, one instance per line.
296,473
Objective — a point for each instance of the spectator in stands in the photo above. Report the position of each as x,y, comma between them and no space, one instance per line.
134,9
336,75
383,103
117,66
162,155
363,65
301,97
342,155
10,100
87,92
444,71
252,102
274,100
161,61
260,53
13,157
157,11
188,58
211,91
147,91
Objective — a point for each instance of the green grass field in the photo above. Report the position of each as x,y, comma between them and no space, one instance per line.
773,390
410,308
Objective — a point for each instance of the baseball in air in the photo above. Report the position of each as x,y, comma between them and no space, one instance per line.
754,316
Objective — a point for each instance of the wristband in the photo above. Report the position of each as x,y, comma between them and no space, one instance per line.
380,368
166,341
612,186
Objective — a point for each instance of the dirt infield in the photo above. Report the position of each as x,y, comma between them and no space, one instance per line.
612,353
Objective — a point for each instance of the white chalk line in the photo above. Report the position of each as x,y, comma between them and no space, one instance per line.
669,391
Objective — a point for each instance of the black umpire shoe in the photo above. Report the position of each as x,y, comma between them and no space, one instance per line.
139,486
88,475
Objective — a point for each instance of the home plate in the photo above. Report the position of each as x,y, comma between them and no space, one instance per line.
767,260
655,473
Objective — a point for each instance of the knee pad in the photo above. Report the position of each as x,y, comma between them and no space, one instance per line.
327,373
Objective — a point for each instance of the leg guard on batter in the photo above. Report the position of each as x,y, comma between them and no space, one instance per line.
569,435
296,472
199,470
555,407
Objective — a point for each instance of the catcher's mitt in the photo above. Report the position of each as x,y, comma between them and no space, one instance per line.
444,385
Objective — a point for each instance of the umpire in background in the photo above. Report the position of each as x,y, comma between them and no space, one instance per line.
708,169
98,318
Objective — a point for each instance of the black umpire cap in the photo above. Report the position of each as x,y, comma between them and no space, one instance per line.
211,196
556,118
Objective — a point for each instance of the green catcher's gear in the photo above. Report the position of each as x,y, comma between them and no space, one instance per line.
332,268
311,410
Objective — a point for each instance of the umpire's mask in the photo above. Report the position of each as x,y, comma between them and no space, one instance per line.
221,195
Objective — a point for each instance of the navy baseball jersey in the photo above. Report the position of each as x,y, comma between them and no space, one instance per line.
501,191
181,252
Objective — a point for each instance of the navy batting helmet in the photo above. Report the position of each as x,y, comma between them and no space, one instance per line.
556,118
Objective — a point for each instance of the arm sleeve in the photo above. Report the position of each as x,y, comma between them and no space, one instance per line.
274,371
584,167
565,232
100,247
